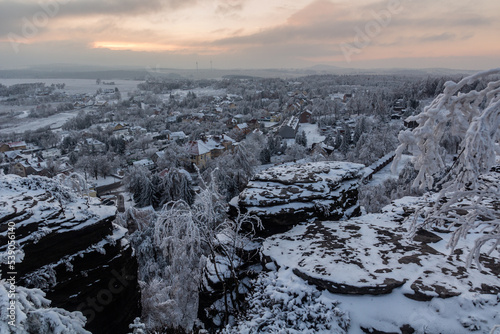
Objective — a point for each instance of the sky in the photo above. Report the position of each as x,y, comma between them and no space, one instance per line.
225,34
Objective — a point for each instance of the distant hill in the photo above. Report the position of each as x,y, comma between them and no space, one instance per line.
68,71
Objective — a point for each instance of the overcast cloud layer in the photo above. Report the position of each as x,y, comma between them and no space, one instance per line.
251,33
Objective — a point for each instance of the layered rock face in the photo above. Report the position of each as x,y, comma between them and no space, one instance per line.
72,251
289,194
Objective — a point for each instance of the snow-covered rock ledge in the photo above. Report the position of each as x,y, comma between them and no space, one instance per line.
387,281
72,251
285,195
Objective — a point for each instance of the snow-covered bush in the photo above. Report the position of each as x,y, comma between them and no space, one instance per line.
33,314
137,327
282,303
472,118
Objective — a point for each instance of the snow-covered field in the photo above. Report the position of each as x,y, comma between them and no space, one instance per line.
312,133
54,121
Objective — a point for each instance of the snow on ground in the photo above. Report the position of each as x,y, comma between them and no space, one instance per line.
19,111
24,114
58,207
312,133
54,121
299,185
289,142
283,303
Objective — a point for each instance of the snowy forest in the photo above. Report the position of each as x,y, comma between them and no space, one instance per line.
318,204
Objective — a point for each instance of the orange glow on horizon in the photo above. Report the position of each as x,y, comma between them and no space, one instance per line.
157,47
132,46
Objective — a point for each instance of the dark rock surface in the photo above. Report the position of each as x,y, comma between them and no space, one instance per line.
72,251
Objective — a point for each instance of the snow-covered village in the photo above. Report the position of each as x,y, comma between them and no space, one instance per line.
279,179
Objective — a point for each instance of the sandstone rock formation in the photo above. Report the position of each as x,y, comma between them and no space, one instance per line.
371,262
288,194
72,251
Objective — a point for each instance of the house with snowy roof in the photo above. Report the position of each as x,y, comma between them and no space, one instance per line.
13,146
148,163
100,103
218,144
239,118
117,126
243,127
31,167
289,128
13,155
199,153
178,135
90,145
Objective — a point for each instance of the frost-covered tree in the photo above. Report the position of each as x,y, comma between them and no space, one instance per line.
173,156
473,117
374,197
232,171
254,144
362,126
171,258
75,182
172,301
275,145
33,313
301,139
136,219
295,152
374,145
139,184
346,140
95,165
172,185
